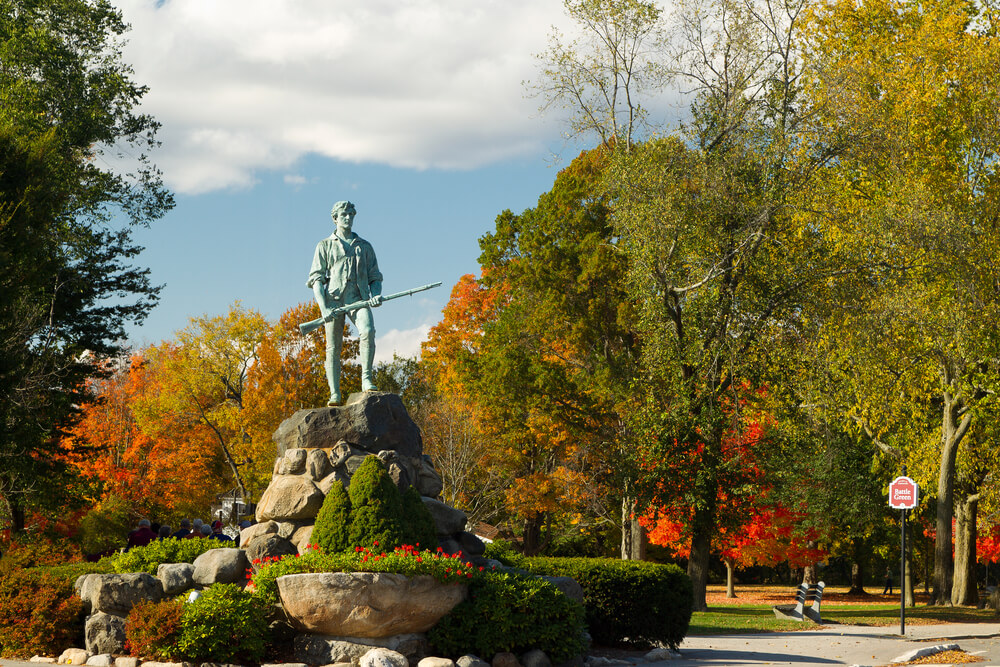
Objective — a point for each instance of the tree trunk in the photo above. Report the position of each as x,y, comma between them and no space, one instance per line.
857,570
964,590
532,543
954,425
810,574
702,529
633,535
730,578
907,584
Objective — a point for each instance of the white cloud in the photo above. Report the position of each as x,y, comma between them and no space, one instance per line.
241,85
405,343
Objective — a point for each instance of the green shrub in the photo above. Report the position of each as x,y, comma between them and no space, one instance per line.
104,528
376,507
422,532
627,601
153,628
506,611
225,624
330,531
505,553
372,511
172,550
39,612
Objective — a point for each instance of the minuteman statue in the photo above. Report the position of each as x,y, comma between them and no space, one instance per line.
344,271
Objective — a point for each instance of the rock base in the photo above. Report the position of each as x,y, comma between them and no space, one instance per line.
328,650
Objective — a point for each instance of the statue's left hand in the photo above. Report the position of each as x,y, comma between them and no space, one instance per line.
375,301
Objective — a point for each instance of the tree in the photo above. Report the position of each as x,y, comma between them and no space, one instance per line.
915,88
603,76
67,285
566,329
200,382
150,476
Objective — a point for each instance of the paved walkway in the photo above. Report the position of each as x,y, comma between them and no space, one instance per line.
837,645
826,645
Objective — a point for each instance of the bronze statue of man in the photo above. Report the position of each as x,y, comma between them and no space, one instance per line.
344,271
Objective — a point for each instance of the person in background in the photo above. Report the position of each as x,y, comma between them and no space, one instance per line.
142,535
184,530
163,533
217,533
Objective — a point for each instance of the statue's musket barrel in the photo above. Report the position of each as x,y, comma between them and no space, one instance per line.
307,328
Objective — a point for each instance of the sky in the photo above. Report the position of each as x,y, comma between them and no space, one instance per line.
272,110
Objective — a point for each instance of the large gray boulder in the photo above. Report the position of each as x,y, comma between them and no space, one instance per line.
221,566
331,649
175,577
365,604
289,498
371,420
447,519
383,657
117,593
105,633
268,546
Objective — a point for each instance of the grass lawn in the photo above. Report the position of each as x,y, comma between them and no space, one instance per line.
751,611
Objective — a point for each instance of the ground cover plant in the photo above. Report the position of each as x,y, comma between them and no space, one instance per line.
172,550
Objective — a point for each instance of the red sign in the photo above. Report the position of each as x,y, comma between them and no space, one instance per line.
903,493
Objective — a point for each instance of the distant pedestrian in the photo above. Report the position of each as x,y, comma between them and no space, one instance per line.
217,533
887,590
142,535
206,530
184,530
163,533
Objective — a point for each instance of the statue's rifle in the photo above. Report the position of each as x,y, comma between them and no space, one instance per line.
307,328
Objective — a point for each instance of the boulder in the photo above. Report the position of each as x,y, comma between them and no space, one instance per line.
268,546
318,464
289,497
175,577
536,658
104,633
470,543
383,657
470,660
371,420
302,538
295,461
437,662
117,593
221,566
447,520
249,534
428,481
366,604
327,482
126,661
101,660
74,656
327,650
506,659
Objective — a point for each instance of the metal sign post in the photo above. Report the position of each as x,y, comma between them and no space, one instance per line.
903,495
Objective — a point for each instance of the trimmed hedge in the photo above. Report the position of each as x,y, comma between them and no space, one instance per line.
627,602
507,611
171,550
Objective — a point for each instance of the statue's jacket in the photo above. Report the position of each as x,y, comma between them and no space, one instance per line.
337,263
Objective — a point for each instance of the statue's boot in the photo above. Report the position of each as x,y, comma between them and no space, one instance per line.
367,345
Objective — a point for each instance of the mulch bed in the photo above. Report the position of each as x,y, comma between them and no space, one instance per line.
772,595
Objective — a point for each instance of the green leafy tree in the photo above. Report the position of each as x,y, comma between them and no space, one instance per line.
68,109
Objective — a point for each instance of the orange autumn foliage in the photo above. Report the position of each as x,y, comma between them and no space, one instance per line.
151,472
